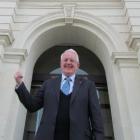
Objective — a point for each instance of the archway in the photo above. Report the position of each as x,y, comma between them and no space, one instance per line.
86,31
90,67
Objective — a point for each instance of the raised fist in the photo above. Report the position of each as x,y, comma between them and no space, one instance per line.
18,77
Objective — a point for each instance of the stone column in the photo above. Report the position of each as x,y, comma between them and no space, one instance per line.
11,60
127,63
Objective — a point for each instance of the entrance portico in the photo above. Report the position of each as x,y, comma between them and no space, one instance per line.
99,38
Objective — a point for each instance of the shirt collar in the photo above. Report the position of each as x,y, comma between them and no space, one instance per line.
72,77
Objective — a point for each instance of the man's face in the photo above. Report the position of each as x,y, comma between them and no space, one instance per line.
68,63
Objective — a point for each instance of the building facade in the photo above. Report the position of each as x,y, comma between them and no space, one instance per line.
109,29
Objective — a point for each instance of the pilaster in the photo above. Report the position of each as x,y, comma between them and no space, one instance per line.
11,61
127,63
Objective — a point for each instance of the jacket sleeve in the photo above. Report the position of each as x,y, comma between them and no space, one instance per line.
95,114
31,102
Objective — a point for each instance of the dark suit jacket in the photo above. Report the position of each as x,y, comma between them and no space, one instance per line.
85,115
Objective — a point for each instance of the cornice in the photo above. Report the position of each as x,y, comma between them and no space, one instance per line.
14,55
125,59
86,4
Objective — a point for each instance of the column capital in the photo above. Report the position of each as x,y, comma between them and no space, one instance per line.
125,59
14,55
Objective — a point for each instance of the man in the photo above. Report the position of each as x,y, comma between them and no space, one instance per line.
71,109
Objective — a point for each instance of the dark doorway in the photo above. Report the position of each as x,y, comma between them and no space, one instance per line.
47,66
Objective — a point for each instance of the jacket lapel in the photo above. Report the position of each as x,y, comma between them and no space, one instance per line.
77,84
56,87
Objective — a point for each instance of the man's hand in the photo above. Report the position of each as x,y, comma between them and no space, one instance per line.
18,77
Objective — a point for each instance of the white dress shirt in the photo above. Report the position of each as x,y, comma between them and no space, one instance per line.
71,82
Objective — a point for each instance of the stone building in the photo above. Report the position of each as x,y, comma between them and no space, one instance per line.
105,33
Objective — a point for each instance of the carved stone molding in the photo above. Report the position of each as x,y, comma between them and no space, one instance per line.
14,55
125,59
69,11
134,41
6,37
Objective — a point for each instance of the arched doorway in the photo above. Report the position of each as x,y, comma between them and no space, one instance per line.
90,67
90,32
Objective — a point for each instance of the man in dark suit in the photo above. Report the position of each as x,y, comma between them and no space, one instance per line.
71,108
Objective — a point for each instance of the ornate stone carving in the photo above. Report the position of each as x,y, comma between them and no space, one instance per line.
69,10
